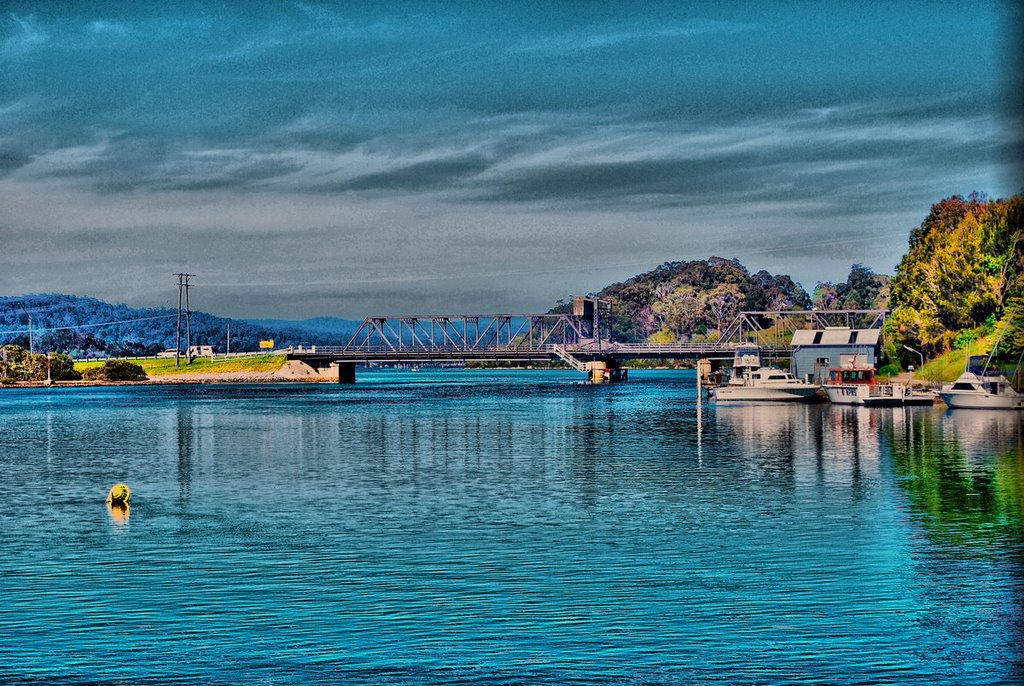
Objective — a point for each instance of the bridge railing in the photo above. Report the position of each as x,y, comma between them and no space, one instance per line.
537,333
470,332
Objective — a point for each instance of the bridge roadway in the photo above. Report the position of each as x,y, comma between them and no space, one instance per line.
575,355
581,339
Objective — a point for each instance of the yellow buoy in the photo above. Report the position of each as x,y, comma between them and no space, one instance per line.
119,494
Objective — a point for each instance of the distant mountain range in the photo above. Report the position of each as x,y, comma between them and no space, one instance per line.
675,301
87,327
962,278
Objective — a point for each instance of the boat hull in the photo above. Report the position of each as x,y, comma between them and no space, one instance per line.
884,395
780,394
846,395
968,400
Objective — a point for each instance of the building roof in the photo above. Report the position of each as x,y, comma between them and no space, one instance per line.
836,336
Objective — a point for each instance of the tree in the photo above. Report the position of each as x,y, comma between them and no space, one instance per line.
964,266
62,368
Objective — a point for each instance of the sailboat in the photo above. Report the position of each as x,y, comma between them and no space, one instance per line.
985,391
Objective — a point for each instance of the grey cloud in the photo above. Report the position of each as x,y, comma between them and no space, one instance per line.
12,158
241,177
433,174
579,160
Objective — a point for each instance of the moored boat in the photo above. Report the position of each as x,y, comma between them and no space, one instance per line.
982,392
858,386
750,382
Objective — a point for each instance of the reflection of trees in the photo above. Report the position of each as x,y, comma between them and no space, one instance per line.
964,480
964,475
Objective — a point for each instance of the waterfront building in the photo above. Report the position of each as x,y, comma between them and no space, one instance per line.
815,351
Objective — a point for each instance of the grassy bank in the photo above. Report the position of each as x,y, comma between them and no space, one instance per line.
951,365
201,365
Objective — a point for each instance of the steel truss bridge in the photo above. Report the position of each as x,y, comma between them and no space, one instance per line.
575,339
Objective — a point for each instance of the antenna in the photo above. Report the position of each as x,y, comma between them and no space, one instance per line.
994,348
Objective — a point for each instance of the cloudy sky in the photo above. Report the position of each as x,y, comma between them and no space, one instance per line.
409,157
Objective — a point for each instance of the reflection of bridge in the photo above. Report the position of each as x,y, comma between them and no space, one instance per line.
581,339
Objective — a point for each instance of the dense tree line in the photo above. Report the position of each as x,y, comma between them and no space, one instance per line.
862,290
678,301
962,277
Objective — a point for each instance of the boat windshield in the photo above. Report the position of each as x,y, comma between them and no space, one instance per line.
961,386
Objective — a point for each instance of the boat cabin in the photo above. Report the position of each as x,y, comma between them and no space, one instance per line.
851,377
994,385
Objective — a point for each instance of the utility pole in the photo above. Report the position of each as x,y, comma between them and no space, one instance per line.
229,337
188,318
177,340
31,348
183,283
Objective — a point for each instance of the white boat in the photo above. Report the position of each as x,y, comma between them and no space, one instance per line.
857,386
982,392
750,382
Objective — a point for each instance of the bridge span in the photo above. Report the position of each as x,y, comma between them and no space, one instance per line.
581,339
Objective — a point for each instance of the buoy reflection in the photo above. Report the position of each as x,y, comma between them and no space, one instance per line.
119,512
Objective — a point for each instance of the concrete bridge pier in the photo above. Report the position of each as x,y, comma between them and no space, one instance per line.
346,372
608,370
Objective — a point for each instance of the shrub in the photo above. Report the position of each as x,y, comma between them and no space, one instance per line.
123,370
889,370
62,368
116,370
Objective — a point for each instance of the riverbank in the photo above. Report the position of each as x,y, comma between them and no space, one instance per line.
275,369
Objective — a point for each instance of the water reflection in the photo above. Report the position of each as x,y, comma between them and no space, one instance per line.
963,476
184,435
493,527
806,444
119,513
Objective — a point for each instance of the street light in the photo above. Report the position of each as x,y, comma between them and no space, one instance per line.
907,347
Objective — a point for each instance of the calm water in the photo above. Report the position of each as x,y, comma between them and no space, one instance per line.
504,527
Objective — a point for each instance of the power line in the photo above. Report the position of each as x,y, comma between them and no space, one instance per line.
37,329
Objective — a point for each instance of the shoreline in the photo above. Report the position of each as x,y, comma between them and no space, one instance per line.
180,379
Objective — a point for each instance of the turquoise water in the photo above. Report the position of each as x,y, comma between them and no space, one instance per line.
499,527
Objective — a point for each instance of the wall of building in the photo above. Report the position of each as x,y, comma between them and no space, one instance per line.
806,358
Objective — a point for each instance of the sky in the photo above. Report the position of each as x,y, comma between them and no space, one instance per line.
348,159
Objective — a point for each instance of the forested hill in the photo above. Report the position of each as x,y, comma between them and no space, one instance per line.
962,277
90,327
682,300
